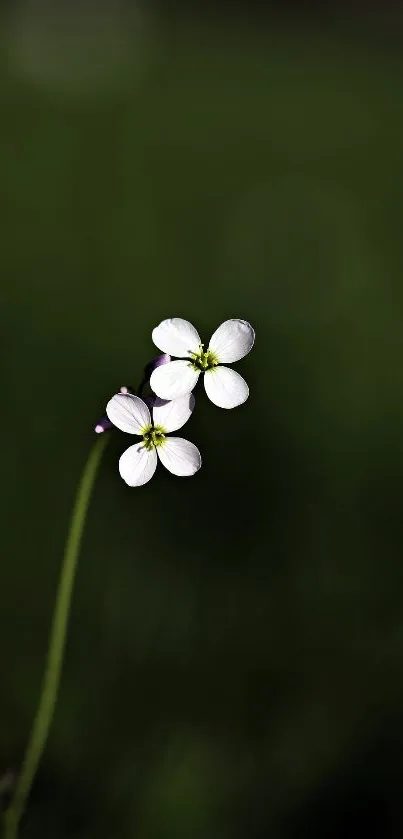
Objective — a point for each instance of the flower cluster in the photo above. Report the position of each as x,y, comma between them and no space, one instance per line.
172,403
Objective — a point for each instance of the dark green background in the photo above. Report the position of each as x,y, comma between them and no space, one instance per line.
235,657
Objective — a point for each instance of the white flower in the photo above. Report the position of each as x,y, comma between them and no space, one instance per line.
230,342
138,463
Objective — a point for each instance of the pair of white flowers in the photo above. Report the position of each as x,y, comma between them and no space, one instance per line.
173,382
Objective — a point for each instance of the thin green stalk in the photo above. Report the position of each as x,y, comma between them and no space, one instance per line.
57,643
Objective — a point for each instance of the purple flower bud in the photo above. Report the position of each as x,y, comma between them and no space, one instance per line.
156,362
104,424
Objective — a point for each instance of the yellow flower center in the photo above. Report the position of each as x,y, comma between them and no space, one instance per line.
203,360
153,436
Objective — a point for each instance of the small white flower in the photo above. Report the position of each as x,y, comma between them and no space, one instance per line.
138,463
230,342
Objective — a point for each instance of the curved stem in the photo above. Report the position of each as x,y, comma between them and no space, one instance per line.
57,643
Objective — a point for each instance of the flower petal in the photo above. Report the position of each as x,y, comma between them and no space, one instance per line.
179,456
174,379
129,413
173,414
176,336
232,340
137,465
225,387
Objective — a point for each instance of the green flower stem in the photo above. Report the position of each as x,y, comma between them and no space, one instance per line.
57,643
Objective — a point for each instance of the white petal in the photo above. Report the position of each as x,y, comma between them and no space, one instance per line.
232,340
137,465
225,387
179,456
173,414
129,413
176,337
174,379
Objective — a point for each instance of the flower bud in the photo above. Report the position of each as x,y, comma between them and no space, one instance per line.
156,362
104,424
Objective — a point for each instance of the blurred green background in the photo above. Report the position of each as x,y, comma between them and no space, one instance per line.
235,656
